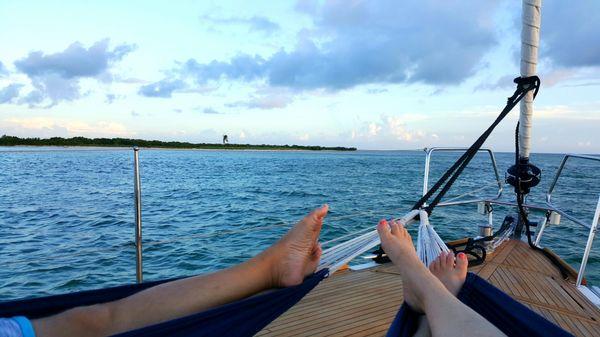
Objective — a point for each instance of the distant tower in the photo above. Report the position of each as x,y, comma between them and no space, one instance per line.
225,140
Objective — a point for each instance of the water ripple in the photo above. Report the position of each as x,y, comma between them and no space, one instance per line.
66,217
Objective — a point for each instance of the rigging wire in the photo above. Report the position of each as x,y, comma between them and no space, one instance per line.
524,85
486,186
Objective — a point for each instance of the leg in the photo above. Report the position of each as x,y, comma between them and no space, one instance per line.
446,315
452,275
284,264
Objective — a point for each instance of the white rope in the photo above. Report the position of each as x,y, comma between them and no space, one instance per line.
429,243
488,185
337,256
505,236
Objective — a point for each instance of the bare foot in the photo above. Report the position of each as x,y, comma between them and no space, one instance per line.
451,274
297,254
396,241
398,246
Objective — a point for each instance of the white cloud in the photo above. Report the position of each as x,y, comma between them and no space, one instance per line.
392,130
48,127
374,129
264,102
56,77
585,143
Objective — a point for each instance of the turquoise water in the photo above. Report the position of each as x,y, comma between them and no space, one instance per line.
67,215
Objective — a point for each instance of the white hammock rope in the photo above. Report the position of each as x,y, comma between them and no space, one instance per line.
429,244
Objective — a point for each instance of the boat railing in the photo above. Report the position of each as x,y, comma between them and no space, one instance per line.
453,201
553,212
137,192
592,227
429,152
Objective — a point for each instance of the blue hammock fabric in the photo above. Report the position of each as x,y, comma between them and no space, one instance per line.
241,318
508,315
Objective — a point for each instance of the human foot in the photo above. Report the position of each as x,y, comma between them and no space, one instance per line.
398,246
452,274
297,254
396,242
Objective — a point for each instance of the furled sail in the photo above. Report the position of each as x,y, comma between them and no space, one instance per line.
530,41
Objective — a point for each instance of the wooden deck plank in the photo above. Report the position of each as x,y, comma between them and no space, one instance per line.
364,303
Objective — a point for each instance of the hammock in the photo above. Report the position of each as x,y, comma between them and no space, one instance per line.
508,315
241,318
249,316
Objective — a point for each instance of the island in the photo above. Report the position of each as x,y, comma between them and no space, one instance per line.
127,142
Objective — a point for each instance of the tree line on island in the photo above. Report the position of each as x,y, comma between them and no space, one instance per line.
127,142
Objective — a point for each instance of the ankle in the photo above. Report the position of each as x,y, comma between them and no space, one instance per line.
266,264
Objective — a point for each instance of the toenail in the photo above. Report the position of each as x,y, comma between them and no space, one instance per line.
462,256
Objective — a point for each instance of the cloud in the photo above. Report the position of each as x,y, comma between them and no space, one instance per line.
377,91
56,76
3,70
569,33
9,93
210,111
267,102
576,112
503,82
74,62
392,130
163,88
51,127
254,23
307,6
370,42
111,98
33,98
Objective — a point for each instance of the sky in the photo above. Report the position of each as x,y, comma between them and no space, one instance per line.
381,75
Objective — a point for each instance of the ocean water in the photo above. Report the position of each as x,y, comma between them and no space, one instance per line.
67,215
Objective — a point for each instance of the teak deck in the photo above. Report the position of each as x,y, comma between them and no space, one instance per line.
364,303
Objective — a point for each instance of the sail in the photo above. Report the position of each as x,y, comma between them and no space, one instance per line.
530,41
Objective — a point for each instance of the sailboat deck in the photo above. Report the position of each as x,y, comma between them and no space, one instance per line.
364,303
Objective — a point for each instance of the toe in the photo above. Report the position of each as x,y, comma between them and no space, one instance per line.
437,263
321,212
401,226
462,263
449,260
403,231
314,221
383,228
395,229
318,214
433,268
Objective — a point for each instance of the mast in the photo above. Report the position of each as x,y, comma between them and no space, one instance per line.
524,175
530,41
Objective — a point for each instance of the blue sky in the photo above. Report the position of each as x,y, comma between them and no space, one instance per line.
370,74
